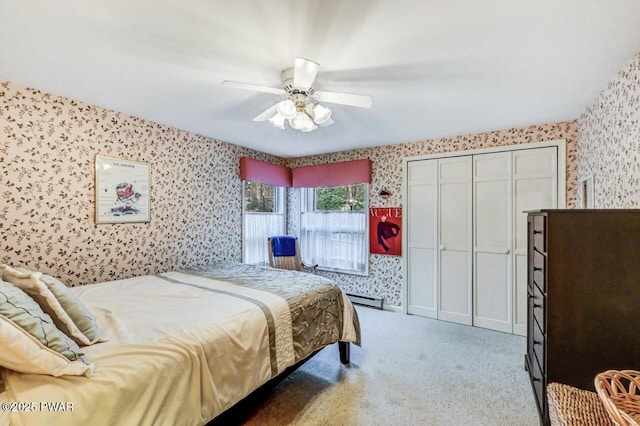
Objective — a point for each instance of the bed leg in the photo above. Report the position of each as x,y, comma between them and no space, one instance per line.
345,352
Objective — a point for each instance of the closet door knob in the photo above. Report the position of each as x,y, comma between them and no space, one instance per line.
442,247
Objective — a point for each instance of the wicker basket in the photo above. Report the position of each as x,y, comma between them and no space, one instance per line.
569,406
619,391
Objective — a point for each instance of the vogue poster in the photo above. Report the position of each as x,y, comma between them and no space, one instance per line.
385,236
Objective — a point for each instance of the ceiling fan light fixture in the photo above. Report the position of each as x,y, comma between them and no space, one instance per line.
321,114
309,129
277,120
299,100
286,108
302,122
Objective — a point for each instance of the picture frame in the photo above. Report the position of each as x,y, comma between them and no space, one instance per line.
122,191
586,192
385,230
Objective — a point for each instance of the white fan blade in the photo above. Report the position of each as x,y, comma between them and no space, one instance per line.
266,114
304,73
362,101
254,87
329,122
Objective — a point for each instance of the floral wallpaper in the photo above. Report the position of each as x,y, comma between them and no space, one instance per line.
609,141
385,272
47,149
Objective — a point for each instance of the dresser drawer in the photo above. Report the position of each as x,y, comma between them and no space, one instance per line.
538,343
538,301
539,270
535,374
540,233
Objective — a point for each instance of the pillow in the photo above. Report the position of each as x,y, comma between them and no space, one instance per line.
69,314
30,342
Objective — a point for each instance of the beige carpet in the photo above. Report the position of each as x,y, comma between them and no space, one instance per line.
409,371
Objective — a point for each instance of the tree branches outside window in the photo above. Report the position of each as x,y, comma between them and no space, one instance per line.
341,198
258,197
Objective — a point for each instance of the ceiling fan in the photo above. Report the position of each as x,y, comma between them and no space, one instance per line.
300,104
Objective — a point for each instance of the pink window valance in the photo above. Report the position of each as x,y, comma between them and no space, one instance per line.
333,174
263,172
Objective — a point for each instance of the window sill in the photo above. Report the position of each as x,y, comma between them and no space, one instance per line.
343,271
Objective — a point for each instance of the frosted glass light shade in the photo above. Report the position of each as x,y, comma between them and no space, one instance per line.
286,108
302,122
321,114
308,129
277,120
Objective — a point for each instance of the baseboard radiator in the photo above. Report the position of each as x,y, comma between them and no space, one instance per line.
359,299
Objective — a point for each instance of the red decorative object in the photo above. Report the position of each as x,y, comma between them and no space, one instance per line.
332,174
263,172
385,236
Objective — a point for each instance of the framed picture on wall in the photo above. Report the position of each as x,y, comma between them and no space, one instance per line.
385,235
123,190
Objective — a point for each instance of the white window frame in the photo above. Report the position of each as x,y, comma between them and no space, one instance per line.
307,204
279,204
586,192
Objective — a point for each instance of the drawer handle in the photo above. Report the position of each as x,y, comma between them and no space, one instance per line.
537,305
537,232
535,342
535,268
535,379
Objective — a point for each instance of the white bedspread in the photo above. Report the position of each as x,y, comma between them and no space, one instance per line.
181,350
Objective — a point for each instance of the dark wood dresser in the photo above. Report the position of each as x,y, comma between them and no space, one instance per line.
583,313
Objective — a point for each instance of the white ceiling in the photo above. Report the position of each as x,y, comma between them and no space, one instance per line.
435,68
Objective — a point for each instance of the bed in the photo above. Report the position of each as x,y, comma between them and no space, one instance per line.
185,346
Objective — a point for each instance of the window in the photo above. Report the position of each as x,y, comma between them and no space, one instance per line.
333,228
263,216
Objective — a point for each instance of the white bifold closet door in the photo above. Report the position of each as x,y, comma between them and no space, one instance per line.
422,249
467,234
455,224
492,225
535,186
